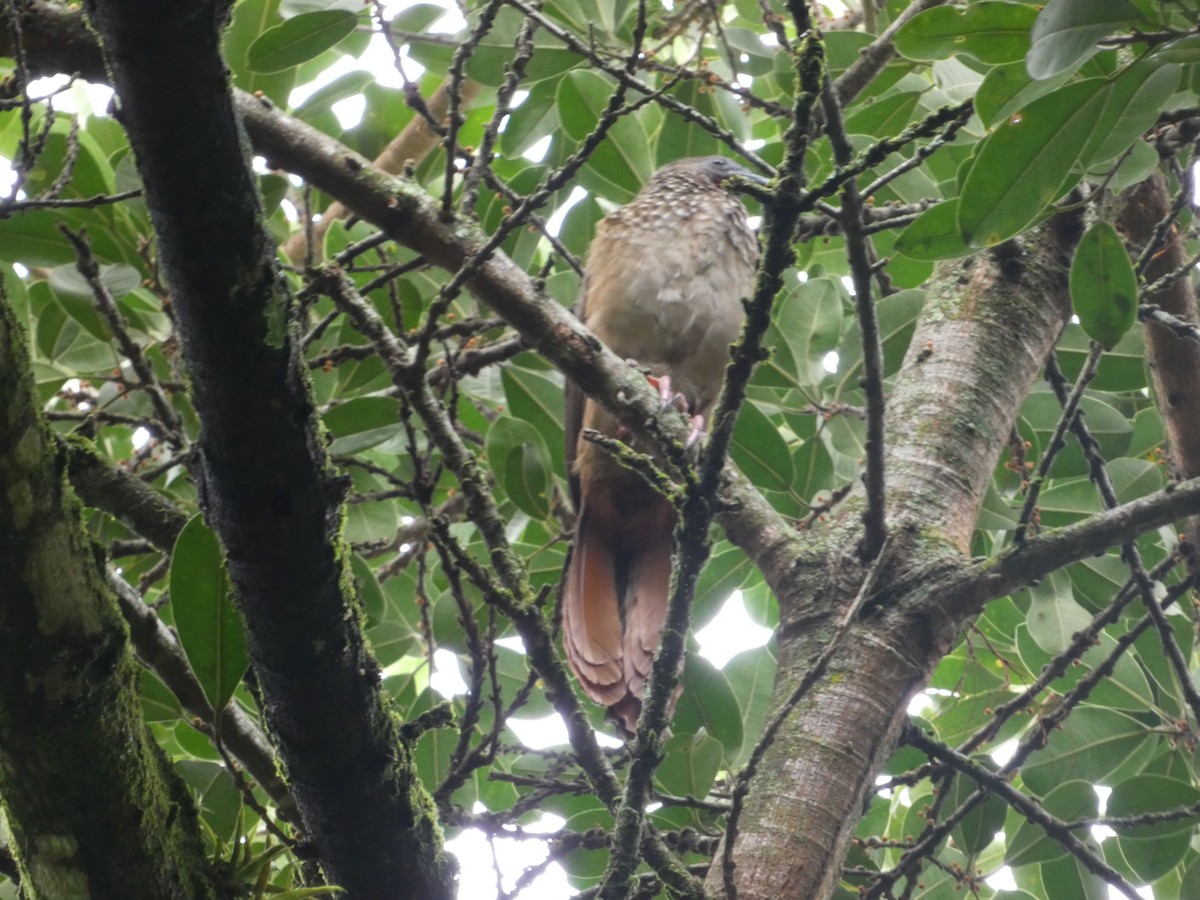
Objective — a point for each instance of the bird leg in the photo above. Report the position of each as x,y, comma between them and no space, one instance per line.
680,402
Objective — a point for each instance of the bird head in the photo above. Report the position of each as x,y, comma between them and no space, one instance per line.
717,170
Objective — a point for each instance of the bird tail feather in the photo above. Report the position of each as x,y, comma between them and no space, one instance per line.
591,614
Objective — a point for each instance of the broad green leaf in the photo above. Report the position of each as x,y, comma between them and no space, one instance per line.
814,469
299,39
414,19
495,52
1068,801
349,85
678,138
751,675
1185,50
724,573
991,32
760,57
934,234
248,22
537,397
76,296
1021,167
1143,794
810,317
978,828
1132,168
1007,88
1091,743
1145,859
1103,285
1121,369
708,702
209,627
1135,101
760,451
1066,32
623,162
886,115
33,239
1053,615
692,763
1066,878
533,120
362,423
158,703
220,801
289,8
521,464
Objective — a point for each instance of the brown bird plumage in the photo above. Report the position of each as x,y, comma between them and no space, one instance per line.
663,286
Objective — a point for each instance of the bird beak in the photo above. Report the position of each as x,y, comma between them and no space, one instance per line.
747,182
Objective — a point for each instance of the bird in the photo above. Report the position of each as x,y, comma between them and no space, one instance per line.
662,287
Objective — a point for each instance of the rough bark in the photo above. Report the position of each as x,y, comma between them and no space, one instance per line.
1174,360
266,485
982,339
72,737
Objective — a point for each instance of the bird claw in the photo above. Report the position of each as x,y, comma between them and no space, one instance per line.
673,399
666,396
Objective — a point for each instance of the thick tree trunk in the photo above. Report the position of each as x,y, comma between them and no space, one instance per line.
1174,360
988,325
266,484
91,802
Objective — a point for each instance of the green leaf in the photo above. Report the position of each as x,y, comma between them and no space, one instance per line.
33,239
535,118
1066,32
760,451
886,115
1021,167
289,8
751,675
1069,801
978,828
1143,794
814,469
362,423
1184,50
1053,615
202,603
1007,88
299,39
934,234
991,32
521,464
537,397
623,162
708,702
810,317
248,22
75,294
1135,101
691,765
1108,426
1092,743
1103,285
